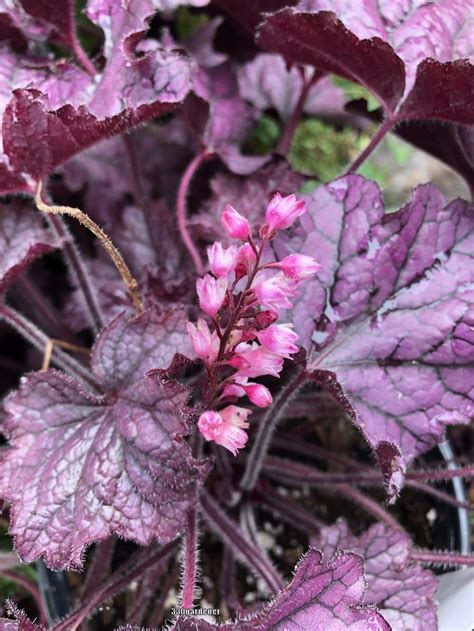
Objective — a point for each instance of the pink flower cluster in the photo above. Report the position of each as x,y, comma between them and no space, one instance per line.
243,298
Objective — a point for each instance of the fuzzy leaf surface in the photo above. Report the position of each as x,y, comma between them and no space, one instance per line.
82,466
388,321
321,596
404,593
420,56
23,238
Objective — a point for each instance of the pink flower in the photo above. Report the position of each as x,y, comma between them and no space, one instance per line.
232,438
274,292
226,428
235,224
258,394
222,261
298,266
205,344
210,424
283,211
279,339
211,292
256,362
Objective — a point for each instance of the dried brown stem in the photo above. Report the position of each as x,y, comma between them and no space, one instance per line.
105,241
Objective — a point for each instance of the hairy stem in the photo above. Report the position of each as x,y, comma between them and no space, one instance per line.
127,572
40,341
79,273
374,142
229,532
105,241
183,190
265,431
432,557
190,560
295,116
81,55
42,307
31,588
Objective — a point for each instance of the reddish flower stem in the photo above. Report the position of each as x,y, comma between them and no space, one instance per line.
80,53
190,560
430,557
369,505
374,142
183,190
295,116
99,566
230,533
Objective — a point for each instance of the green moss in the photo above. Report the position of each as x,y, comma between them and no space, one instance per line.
355,91
187,22
320,149
263,137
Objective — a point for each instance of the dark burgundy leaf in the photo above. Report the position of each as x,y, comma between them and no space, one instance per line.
388,321
82,466
390,51
60,15
320,39
23,238
268,84
405,593
321,596
39,135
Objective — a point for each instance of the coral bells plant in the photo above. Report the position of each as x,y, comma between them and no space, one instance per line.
236,317
244,297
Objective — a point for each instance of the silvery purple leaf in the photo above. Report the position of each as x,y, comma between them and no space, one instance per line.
405,593
388,321
321,596
82,466
268,83
23,238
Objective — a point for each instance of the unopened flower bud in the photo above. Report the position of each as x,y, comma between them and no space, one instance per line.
258,394
235,224
298,266
265,318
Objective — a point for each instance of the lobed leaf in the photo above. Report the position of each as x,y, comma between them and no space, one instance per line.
405,593
82,466
388,321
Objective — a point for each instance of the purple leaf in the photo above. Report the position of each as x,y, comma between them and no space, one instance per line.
392,52
83,466
39,133
23,238
404,593
268,84
201,44
60,15
321,596
21,622
389,318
